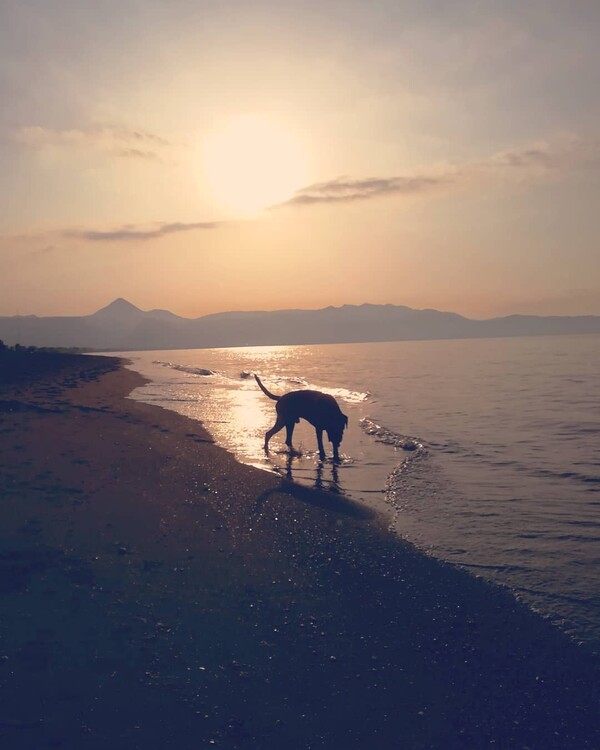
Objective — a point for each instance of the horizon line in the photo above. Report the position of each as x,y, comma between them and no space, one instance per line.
304,309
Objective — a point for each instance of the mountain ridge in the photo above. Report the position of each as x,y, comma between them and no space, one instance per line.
122,326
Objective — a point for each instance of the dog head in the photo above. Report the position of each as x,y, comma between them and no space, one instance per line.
335,431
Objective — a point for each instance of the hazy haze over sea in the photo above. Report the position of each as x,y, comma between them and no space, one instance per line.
483,452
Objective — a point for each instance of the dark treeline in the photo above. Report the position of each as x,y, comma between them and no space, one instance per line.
20,349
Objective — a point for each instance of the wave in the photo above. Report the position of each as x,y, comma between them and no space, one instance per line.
170,400
185,368
487,454
282,384
351,397
292,382
576,475
398,486
395,439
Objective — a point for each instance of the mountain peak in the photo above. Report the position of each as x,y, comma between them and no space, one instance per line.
118,308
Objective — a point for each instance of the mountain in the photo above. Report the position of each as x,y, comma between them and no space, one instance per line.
120,309
121,326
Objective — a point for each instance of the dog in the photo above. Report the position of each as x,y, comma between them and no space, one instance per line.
320,409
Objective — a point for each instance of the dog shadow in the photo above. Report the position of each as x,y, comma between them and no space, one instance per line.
320,481
326,493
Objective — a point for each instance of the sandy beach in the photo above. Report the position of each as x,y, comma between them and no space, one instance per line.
155,593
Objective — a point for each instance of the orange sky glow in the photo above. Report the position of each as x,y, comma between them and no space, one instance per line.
203,157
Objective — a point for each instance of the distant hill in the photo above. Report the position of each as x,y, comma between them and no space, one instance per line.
122,326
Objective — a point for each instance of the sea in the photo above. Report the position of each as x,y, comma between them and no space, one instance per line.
484,453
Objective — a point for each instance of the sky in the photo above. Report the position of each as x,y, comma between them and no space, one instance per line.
232,155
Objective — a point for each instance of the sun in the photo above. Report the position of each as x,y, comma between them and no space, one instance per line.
253,163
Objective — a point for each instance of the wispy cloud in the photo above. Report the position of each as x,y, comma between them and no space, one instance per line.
45,250
564,154
136,153
129,232
123,233
531,161
524,159
119,142
345,190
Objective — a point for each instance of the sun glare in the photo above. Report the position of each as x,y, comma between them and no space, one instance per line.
252,164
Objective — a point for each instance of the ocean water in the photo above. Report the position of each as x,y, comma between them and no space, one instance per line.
484,453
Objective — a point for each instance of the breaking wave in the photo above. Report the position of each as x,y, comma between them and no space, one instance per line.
295,382
185,368
383,435
413,449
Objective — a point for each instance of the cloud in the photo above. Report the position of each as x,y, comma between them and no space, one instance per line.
128,232
45,250
345,190
124,233
136,153
525,158
530,161
563,154
115,141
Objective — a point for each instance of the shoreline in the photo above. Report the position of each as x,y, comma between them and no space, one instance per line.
157,593
435,496
362,475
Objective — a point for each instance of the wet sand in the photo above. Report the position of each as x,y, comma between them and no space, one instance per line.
154,593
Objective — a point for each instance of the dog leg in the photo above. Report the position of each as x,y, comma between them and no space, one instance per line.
320,443
279,425
289,431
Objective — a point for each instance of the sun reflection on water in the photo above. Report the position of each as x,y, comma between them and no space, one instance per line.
216,387
264,355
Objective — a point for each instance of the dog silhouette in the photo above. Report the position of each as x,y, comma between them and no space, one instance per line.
319,409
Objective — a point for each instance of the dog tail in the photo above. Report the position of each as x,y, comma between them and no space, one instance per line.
264,390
